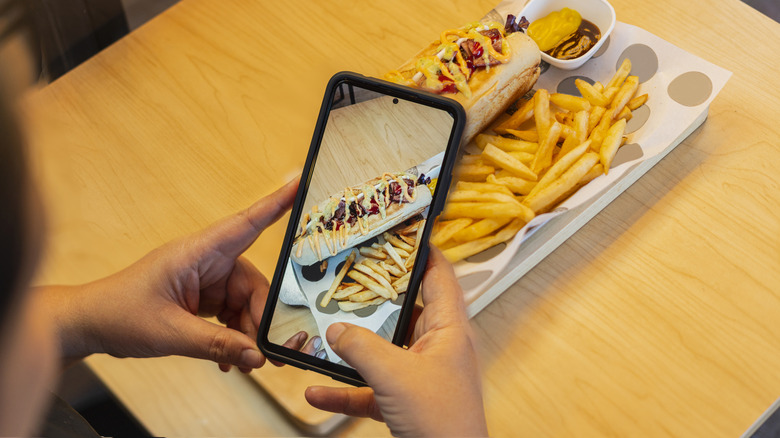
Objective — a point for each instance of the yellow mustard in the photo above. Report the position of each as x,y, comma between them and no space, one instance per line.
547,32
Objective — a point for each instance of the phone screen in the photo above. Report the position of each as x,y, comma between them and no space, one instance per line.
359,228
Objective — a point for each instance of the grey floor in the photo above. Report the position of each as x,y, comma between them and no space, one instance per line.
140,11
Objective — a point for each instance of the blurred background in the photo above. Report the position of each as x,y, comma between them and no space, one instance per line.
73,30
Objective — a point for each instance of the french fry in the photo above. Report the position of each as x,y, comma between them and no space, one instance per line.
370,283
482,187
610,93
475,196
636,102
620,75
401,252
543,156
592,174
611,143
483,210
472,159
516,185
598,133
349,306
529,135
507,162
598,86
542,112
378,269
570,103
595,97
407,239
595,117
557,169
625,113
505,144
563,117
524,113
404,278
367,251
394,255
337,279
596,171
362,297
625,94
418,238
412,228
410,260
394,270
474,172
447,229
580,134
344,293
566,131
523,157
469,249
544,199
397,243
480,229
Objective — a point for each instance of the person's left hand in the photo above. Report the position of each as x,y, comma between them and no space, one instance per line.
151,308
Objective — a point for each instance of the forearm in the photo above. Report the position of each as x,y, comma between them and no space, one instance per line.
68,311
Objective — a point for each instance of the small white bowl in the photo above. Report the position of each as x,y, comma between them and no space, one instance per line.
598,12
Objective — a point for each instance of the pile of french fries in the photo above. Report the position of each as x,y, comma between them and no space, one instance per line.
543,153
381,274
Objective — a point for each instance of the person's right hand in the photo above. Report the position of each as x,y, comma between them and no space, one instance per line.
434,387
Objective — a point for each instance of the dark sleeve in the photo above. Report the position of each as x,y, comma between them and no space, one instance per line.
62,421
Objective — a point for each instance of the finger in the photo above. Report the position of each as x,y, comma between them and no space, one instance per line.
198,338
416,312
312,346
355,402
372,356
441,292
233,235
247,289
294,343
268,210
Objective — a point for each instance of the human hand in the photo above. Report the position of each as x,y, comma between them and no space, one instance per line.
434,387
151,308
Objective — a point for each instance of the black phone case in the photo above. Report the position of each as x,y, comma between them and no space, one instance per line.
308,362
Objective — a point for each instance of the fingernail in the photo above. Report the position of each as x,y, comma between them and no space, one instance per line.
316,342
334,331
251,358
321,354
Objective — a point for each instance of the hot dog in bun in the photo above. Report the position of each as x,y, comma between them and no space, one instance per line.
359,213
484,66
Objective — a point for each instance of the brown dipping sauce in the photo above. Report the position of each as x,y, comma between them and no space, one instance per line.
578,43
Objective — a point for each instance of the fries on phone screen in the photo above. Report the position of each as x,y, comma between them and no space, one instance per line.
383,271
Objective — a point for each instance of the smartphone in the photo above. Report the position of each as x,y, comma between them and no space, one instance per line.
376,175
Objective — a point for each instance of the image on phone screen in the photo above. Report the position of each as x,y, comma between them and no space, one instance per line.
358,232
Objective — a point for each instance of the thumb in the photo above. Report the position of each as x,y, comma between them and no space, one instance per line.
234,234
202,339
371,355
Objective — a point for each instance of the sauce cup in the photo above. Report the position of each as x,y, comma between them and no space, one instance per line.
599,12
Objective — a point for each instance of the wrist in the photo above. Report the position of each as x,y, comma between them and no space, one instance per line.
66,309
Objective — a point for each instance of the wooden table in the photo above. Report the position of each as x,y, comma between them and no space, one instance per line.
660,317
